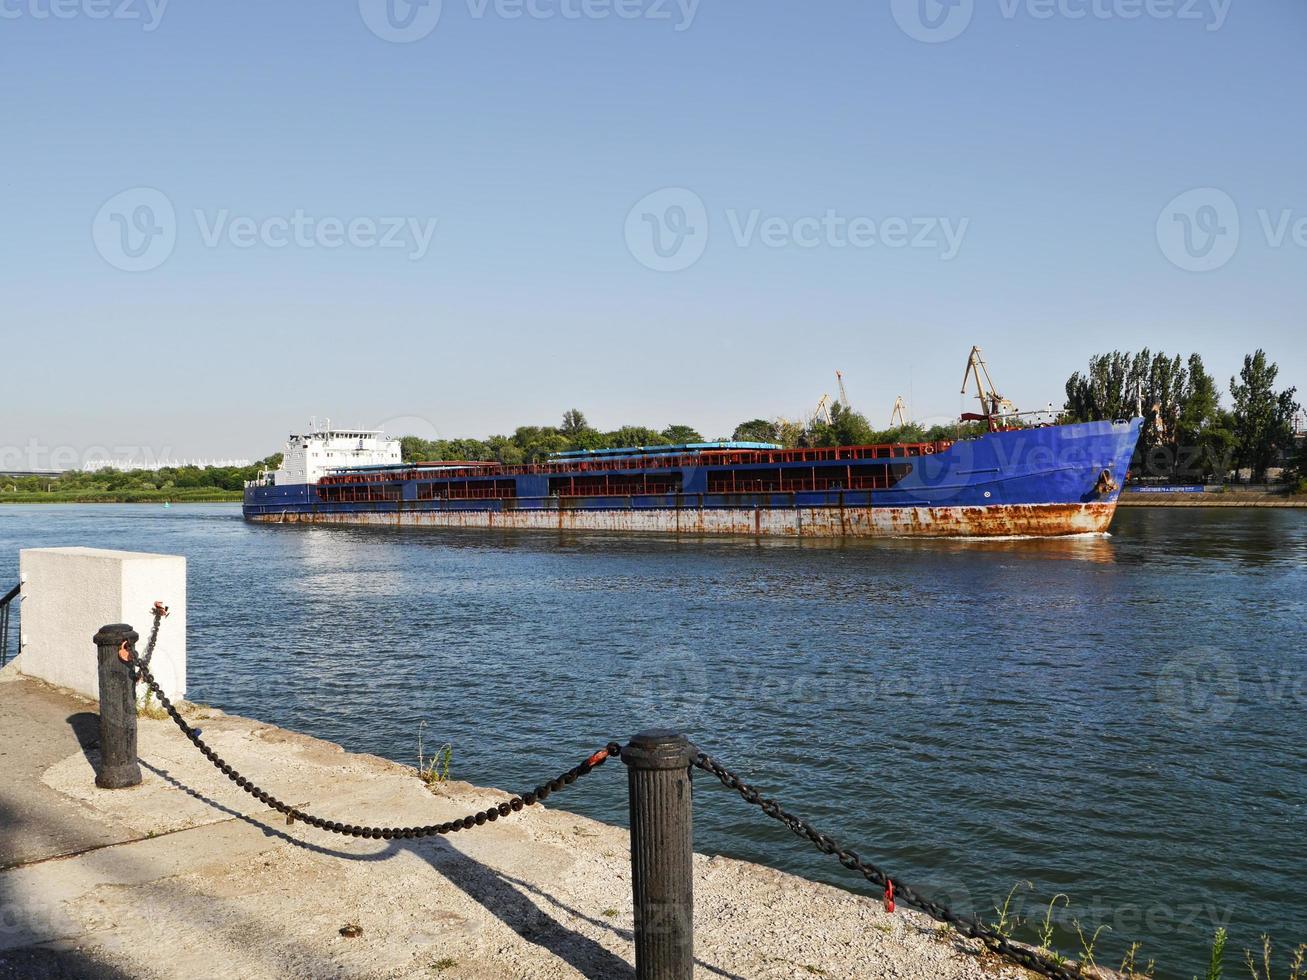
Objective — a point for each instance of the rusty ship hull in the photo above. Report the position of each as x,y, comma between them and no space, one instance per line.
1036,482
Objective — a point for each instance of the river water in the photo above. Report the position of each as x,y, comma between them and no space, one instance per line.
1120,719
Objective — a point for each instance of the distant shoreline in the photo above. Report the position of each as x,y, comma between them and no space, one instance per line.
1228,499
128,497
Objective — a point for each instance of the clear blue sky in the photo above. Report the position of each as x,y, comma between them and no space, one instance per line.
1053,142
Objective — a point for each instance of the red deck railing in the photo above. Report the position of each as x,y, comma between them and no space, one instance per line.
724,457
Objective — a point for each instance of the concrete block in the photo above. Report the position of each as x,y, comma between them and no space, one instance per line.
69,593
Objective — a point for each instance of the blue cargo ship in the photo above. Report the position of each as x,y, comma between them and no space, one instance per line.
1011,481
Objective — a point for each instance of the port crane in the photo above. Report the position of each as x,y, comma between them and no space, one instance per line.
844,395
993,405
899,415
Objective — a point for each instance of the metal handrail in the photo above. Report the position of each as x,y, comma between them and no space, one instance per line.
5,602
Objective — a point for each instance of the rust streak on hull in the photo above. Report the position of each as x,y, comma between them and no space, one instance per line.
1010,520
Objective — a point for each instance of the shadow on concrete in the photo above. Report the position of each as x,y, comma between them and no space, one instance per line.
52,963
86,729
503,896
20,918
267,829
484,885
495,893
32,934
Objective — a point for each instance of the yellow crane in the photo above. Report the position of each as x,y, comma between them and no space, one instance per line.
823,410
994,407
899,415
844,395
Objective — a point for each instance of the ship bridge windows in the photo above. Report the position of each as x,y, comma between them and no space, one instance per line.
615,484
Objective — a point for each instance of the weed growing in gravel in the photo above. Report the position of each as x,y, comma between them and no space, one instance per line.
1131,970
436,769
1046,930
146,708
1045,927
1214,964
1008,922
1087,946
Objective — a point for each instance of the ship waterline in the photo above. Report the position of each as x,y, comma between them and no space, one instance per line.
1018,520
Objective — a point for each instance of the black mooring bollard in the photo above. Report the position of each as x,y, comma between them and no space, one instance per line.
118,765
662,854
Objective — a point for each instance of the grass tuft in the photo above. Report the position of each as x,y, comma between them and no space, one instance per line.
147,708
436,769
1007,921
1087,944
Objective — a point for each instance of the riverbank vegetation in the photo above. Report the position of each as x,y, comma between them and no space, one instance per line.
1188,433
170,484
533,444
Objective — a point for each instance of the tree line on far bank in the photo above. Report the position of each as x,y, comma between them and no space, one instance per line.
195,483
1188,433
534,443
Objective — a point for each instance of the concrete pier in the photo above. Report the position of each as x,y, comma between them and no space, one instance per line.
185,876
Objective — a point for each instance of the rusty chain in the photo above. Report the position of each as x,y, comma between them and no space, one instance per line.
294,814
159,612
972,928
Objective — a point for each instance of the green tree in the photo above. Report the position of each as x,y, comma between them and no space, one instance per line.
503,450
1299,470
635,435
1203,433
1106,390
850,428
1263,417
756,430
681,434
788,433
590,439
574,423
413,449
845,428
1162,390
1123,385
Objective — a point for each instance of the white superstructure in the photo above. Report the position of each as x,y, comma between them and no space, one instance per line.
309,457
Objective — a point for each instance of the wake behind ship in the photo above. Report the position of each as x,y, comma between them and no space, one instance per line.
1038,481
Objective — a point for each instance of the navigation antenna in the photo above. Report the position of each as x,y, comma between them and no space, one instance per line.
993,405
